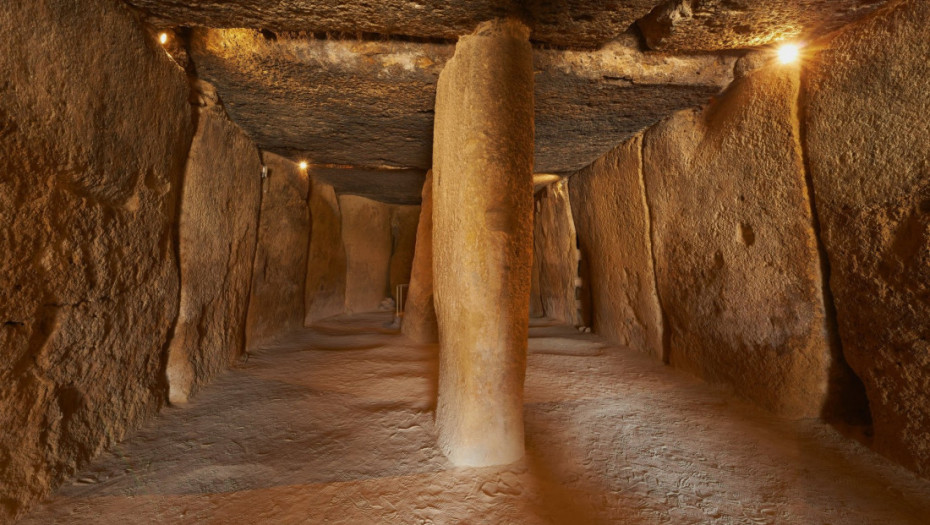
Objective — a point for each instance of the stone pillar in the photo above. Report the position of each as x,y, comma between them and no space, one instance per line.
419,314
483,242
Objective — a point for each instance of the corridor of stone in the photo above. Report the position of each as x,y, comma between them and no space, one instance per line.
489,262
334,424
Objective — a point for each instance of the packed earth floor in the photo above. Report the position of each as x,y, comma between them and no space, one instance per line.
334,424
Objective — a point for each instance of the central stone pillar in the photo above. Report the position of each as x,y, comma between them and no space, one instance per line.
483,242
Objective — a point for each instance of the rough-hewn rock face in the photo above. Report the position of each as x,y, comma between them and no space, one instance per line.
404,220
868,97
710,25
483,242
217,231
736,258
608,204
366,235
353,109
326,261
94,132
280,270
588,102
555,246
586,23
358,103
419,321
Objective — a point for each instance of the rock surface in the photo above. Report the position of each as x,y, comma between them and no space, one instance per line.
326,261
564,23
736,257
404,222
366,235
868,97
713,25
555,246
217,232
94,132
483,242
361,112
419,321
608,203
279,274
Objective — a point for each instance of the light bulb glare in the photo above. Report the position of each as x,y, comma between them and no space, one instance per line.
163,38
789,53
303,165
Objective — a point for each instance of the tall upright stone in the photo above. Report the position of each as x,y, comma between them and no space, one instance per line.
482,242
419,314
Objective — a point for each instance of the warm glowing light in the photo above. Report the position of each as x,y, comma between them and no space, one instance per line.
163,38
789,53
304,165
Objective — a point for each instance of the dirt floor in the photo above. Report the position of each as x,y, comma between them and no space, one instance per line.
334,425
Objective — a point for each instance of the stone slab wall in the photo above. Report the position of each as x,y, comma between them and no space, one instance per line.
737,265
366,235
608,203
325,293
404,221
868,141
555,247
280,271
217,232
419,321
95,128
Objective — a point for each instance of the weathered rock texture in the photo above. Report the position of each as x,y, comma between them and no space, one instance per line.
404,221
326,261
711,25
482,242
868,97
419,321
608,203
366,235
280,270
588,102
94,132
217,231
556,248
361,112
736,257
586,23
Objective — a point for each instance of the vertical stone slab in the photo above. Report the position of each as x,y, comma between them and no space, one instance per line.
555,248
482,242
868,98
326,260
279,273
218,224
419,315
608,203
95,127
404,221
366,235
536,305
736,256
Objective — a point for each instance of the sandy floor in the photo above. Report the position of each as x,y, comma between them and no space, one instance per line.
334,425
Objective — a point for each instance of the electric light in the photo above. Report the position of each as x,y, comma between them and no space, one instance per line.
163,38
789,53
304,165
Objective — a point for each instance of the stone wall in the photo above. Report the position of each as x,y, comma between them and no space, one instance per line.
555,248
280,270
419,321
325,293
608,203
95,128
404,221
867,101
736,256
217,232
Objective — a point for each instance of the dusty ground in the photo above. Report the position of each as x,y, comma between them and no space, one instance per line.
334,425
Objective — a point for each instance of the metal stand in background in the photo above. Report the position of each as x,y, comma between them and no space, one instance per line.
399,305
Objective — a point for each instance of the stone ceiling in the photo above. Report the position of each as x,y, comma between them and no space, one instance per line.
349,86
